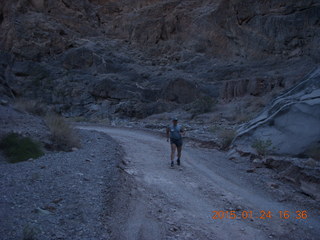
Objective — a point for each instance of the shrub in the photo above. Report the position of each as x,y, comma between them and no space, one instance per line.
79,119
202,105
30,106
314,151
30,233
214,129
241,114
226,136
243,117
263,147
18,148
62,134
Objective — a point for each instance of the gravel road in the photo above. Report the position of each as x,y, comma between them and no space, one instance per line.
157,202
125,189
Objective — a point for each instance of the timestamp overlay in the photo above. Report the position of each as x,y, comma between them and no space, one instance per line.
293,220
260,214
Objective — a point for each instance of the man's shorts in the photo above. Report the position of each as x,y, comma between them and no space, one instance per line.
177,142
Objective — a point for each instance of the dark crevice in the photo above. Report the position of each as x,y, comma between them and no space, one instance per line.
66,4
70,46
1,18
21,74
244,20
62,33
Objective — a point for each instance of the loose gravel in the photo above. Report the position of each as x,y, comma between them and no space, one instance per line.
62,195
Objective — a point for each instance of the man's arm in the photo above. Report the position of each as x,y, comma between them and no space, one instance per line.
183,131
167,133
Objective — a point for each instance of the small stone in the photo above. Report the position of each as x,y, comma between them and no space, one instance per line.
4,102
58,200
233,154
273,185
250,170
49,208
258,163
238,208
42,211
311,162
174,229
74,149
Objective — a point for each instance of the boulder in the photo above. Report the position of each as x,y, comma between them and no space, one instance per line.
310,188
114,88
291,121
38,4
180,90
79,58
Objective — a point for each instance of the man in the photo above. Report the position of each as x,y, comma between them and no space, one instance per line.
175,132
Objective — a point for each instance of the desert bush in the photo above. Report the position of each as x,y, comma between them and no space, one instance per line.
226,137
243,117
202,105
19,148
63,135
314,151
30,232
214,129
30,106
241,114
263,147
79,119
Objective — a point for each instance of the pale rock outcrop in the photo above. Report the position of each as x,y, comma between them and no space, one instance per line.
291,121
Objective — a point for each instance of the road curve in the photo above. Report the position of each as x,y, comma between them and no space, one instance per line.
178,203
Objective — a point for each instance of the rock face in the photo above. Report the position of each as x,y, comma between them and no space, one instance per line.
181,91
135,58
291,121
250,29
225,28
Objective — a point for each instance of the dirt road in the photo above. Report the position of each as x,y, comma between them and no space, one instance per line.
165,203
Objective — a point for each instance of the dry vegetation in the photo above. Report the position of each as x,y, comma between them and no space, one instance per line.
263,147
314,151
63,135
30,106
226,137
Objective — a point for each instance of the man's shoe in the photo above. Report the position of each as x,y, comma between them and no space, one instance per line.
178,161
172,164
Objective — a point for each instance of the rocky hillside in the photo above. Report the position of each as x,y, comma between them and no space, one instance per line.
102,58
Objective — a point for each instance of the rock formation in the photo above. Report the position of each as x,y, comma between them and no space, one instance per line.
103,57
291,121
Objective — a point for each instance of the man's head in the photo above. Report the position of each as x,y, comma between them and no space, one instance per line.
175,121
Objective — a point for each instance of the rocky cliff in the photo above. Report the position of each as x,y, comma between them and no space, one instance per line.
136,58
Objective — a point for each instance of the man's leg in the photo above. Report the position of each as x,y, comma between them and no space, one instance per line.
179,154
173,151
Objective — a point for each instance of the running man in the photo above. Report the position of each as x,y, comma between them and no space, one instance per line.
175,133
